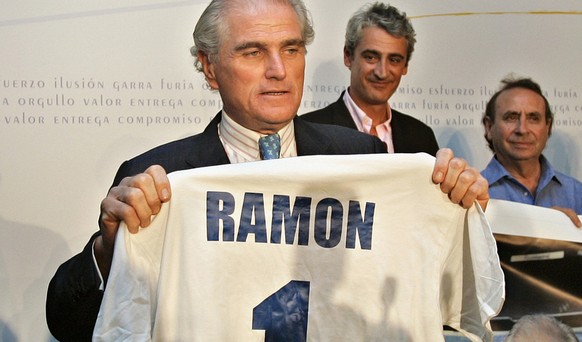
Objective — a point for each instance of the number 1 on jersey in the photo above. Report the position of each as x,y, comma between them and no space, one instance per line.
283,315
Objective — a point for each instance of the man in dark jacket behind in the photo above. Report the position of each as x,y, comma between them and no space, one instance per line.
378,46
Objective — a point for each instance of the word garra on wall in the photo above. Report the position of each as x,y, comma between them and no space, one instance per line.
324,219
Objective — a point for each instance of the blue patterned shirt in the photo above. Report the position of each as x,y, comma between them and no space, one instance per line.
554,188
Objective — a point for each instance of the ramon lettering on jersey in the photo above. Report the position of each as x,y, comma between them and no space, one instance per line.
324,219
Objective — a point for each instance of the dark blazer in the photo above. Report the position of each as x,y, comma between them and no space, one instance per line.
74,298
409,135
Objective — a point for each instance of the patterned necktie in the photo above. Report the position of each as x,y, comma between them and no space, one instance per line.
270,146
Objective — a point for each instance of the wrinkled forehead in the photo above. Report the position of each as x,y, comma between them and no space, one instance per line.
260,19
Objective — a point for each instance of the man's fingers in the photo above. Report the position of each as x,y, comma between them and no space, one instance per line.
161,182
141,194
456,180
478,190
462,183
443,158
135,200
117,207
571,214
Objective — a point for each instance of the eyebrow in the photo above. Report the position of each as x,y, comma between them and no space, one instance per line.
370,51
509,112
513,112
254,44
377,53
298,42
396,55
248,45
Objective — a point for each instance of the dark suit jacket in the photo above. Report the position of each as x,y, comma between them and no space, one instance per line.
409,135
74,298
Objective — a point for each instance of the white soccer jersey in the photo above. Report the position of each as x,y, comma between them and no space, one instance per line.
316,248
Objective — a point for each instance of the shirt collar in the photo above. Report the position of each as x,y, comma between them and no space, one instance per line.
364,122
495,171
548,173
241,144
360,117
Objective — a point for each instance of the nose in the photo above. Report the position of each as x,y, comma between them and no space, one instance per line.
275,67
381,70
521,125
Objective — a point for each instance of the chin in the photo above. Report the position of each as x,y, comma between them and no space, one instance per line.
278,117
379,97
524,156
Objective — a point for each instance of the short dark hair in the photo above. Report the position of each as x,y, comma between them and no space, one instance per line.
512,83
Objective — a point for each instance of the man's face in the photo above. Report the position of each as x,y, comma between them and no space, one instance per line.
260,67
520,130
378,64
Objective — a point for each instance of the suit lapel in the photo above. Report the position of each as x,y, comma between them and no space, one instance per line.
340,114
206,147
399,140
308,139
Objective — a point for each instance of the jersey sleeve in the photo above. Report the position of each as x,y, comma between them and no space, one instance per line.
129,302
477,291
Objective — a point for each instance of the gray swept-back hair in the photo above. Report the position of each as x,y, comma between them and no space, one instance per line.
540,327
211,26
384,16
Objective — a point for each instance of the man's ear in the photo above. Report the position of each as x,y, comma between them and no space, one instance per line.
347,58
208,68
487,124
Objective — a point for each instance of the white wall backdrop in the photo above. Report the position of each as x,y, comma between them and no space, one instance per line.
85,85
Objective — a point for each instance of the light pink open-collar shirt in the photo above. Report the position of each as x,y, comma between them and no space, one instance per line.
364,122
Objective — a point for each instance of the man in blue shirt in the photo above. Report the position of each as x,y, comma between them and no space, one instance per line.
518,122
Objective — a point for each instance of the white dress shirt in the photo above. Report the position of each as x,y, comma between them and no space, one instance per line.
242,144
